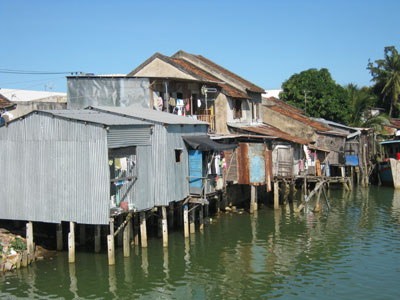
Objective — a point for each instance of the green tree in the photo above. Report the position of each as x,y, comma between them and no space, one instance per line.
386,75
315,92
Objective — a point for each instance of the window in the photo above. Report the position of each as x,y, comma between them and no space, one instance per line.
178,155
237,108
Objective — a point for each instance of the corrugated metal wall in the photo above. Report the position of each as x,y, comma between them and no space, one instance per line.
169,177
143,189
125,136
54,170
84,91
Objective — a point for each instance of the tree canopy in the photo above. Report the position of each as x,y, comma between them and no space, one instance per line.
386,74
315,92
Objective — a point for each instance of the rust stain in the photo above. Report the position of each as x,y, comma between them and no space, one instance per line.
243,163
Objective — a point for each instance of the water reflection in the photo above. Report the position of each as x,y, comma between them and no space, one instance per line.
272,253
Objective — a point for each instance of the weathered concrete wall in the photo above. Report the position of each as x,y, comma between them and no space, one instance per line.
221,107
24,108
287,124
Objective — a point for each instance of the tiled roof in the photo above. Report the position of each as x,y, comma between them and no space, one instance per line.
249,85
298,117
265,129
4,102
285,105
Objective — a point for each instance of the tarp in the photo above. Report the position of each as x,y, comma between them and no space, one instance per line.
204,143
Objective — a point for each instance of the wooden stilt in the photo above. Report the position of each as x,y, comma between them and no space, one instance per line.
126,239
82,234
143,229
164,226
59,236
192,226
358,175
201,218
71,243
29,238
276,194
159,221
97,238
186,221
136,229
253,200
218,204
111,249
171,211
318,203
120,235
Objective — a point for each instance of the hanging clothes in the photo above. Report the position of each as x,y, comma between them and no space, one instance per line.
187,105
172,101
198,103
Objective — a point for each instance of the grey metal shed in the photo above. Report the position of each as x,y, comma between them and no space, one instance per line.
168,154
56,165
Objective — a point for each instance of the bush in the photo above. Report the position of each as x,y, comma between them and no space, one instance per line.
18,245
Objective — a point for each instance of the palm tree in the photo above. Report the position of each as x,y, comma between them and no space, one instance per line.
360,100
386,73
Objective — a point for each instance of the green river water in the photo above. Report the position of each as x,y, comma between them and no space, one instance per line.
350,252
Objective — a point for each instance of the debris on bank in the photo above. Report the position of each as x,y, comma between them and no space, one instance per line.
13,252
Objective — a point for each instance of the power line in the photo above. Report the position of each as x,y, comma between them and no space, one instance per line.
29,72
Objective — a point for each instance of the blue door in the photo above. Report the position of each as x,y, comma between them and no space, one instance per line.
195,171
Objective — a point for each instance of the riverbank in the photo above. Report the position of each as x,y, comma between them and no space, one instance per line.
14,254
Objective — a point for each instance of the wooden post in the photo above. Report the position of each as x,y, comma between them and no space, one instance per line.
253,199
318,203
143,229
192,226
343,172
276,194
82,234
97,238
126,239
71,243
111,249
218,204
171,211
120,235
136,229
358,175
201,217
185,221
59,236
29,238
164,224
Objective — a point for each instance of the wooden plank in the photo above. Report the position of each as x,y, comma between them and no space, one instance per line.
29,238
276,194
126,240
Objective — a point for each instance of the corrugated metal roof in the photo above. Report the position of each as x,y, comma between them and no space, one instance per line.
94,117
265,129
149,115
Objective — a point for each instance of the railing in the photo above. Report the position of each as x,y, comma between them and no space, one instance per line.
208,119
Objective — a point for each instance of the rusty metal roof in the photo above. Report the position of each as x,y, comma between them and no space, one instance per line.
265,129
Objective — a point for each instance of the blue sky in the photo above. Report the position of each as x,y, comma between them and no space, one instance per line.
263,41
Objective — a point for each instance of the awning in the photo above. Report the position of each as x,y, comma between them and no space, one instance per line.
204,143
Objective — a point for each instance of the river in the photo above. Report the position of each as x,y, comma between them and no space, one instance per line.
350,252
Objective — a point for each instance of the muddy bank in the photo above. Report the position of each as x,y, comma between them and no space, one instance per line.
13,252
